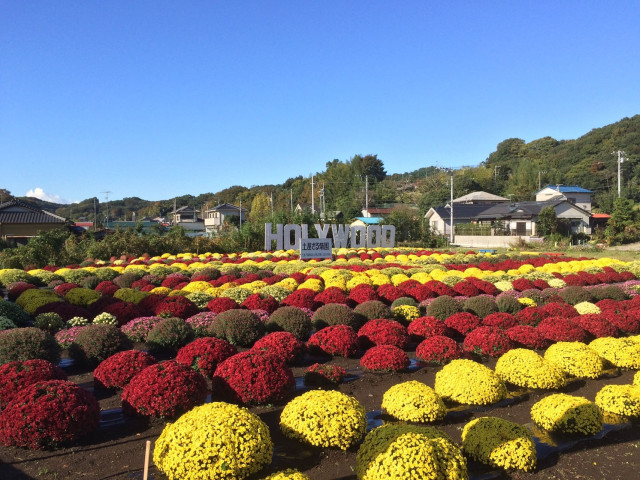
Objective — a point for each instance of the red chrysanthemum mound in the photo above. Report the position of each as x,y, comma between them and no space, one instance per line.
125,311
466,289
559,310
628,321
385,358
440,288
560,329
107,288
324,375
164,390
222,304
531,316
424,327
256,302
16,289
416,290
118,370
284,345
463,322
596,324
64,288
253,378
522,284
331,295
485,287
205,354
48,415
500,320
527,336
176,306
301,298
489,341
173,280
17,375
150,302
363,293
438,349
383,332
388,293
338,340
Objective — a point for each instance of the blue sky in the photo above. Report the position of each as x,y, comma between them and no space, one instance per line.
157,99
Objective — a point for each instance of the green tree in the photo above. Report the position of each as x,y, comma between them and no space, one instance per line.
622,226
260,208
547,222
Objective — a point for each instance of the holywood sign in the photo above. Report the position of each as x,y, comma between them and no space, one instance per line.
289,236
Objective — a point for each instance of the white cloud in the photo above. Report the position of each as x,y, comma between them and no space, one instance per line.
47,197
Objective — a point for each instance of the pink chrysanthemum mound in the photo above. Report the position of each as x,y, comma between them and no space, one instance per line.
489,341
253,378
118,370
284,345
438,349
164,390
338,340
204,354
17,375
383,332
386,358
48,414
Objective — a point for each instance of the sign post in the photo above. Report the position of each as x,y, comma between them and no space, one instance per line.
315,248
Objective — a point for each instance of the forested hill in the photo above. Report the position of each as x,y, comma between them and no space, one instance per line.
515,169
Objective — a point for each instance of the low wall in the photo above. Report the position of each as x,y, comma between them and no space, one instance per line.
488,241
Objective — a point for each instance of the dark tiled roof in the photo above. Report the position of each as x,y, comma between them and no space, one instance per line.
461,211
15,211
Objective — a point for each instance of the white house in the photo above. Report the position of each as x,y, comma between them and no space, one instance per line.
579,196
214,217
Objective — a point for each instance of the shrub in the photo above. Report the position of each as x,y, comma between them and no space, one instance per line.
559,310
560,329
335,314
125,311
413,401
138,329
324,375
363,293
405,313
164,390
96,343
499,443
48,414
81,296
620,352
49,322
409,451
14,275
576,359
130,295
66,337
619,399
469,383
508,304
283,345
335,340
489,341
14,376
500,320
324,419
531,316
16,289
373,309
567,414
443,307
259,301
30,300
301,298
463,322
240,440
596,325
118,370
525,368
527,336
169,334
385,358
480,306
176,306
28,343
383,332
63,288
253,378
125,280
291,319
424,327
14,313
201,322
438,349
288,474
575,295
105,318
403,301
238,327
6,324
107,288
204,354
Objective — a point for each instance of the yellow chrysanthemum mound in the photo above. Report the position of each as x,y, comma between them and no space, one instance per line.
525,368
499,443
288,474
619,399
469,383
405,313
215,440
413,401
324,419
621,352
409,451
586,307
576,359
567,414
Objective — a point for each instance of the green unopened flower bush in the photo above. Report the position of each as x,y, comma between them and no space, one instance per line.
564,413
619,399
525,368
469,383
28,343
499,443
409,451
621,352
413,401
576,359
215,440
324,419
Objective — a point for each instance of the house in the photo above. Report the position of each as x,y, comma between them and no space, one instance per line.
185,214
377,211
572,193
480,198
366,221
19,221
214,218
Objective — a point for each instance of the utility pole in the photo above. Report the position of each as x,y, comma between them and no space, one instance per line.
495,172
292,200
539,177
107,192
240,213
621,159
451,220
366,193
313,203
95,214
271,204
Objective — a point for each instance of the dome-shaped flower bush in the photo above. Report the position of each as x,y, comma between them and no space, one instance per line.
383,332
291,319
463,322
301,298
525,368
14,313
335,340
222,304
500,320
258,301
204,354
499,443
567,414
373,309
216,440
384,358
531,316
138,329
596,324
324,375
489,341
324,418
527,336
405,313
620,352
17,375
201,322
253,378
34,298
96,343
423,327
238,327
118,370
409,451
469,383
331,295
620,399
335,314
176,306
288,474
284,345
480,305
560,329
508,304
164,390
48,415
81,296
438,349
443,307
576,359
169,334
413,401
28,343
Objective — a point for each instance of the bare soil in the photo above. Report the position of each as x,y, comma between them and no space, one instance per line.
116,450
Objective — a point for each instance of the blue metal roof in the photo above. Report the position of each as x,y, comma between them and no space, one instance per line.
370,220
566,189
